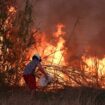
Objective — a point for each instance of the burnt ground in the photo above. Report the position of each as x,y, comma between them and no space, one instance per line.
67,96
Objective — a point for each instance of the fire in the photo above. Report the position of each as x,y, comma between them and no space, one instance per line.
93,64
12,10
59,30
58,56
50,53
11,16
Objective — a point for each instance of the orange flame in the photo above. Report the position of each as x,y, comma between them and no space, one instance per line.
52,54
58,56
12,10
94,63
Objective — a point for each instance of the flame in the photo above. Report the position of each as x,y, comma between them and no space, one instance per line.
11,16
51,54
12,9
93,64
58,56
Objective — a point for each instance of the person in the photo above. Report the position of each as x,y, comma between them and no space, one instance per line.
29,71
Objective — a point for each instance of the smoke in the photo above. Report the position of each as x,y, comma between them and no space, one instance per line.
87,37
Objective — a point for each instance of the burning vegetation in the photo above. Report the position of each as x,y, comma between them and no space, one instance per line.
19,40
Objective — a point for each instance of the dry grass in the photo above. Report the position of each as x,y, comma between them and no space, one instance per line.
68,96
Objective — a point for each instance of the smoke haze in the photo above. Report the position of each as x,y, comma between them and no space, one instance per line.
89,34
